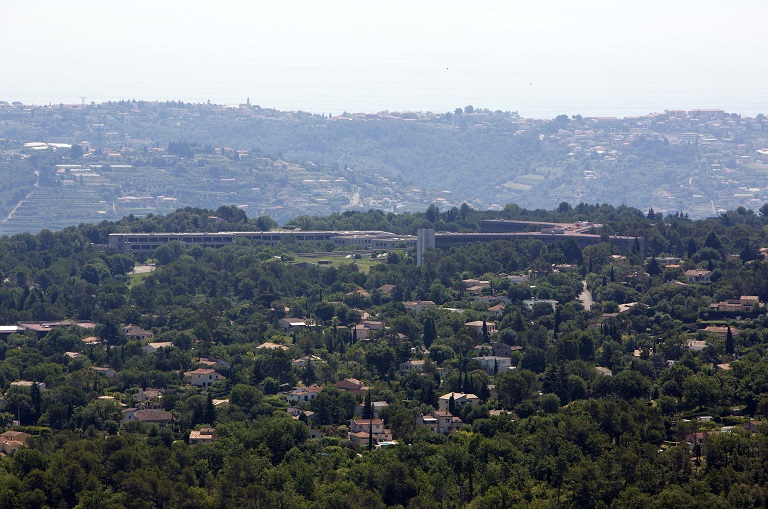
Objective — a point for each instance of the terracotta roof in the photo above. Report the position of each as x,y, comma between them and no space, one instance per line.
153,416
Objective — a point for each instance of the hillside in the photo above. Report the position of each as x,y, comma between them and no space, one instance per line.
141,157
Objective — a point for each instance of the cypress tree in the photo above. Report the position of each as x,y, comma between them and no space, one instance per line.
729,349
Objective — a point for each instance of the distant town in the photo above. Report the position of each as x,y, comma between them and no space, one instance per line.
66,164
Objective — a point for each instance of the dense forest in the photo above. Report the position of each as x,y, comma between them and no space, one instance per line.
673,417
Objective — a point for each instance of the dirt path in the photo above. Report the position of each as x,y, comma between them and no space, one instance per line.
10,214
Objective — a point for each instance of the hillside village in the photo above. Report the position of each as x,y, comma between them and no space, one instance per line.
67,164
208,377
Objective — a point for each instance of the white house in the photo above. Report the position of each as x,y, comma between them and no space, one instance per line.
154,347
303,394
412,365
203,377
493,364
459,399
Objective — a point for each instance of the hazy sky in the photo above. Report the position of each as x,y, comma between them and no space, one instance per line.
539,58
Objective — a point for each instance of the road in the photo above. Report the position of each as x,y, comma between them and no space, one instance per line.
586,296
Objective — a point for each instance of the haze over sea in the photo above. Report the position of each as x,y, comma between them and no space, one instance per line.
541,59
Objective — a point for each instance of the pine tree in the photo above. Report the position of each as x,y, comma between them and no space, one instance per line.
653,267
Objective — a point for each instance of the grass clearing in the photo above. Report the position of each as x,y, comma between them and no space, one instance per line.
364,263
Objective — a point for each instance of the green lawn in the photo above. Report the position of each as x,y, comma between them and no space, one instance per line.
330,259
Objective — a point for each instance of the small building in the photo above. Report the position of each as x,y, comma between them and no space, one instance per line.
497,310
418,306
361,331
160,417
105,372
387,289
378,406
91,341
288,324
307,359
351,385
203,377
210,362
696,345
720,331
150,348
268,345
697,276
493,364
27,384
202,436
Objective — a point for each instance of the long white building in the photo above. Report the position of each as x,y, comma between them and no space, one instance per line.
147,242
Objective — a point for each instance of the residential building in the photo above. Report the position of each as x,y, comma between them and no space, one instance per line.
497,310
412,365
137,333
160,417
303,394
720,331
272,346
361,429
105,372
744,304
150,348
288,324
440,421
697,276
496,348
202,436
11,441
202,377
418,306
477,327
307,359
210,362
27,384
148,398
459,399
351,385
